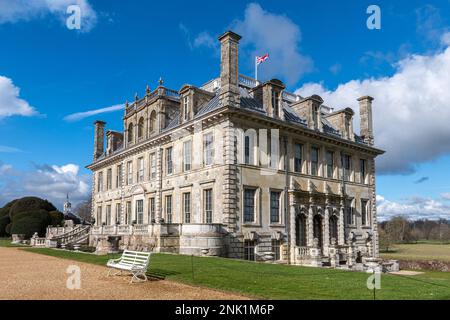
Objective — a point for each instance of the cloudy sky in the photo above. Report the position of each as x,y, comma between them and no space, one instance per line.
55,81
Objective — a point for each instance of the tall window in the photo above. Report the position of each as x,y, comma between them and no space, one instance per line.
249,205
208,149
364,215
275,103
346,166
108,215
208,205
363,171
297,157
141,128
153,121
169,208
130,133
119,176
100,182
314,161
130,172
152,166
186,108
141,170
99,216
187,155
349,213
118,214
187,207
276,249
330,164
128,213
249,250
301,231
169,163
109,179
247,150
140,211
151,209
275,206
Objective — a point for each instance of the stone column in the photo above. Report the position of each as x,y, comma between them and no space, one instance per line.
341,232
310,235
292,230
230,185
326,233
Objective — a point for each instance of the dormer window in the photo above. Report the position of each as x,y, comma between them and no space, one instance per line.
186,107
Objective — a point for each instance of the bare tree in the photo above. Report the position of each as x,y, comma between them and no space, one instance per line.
83,209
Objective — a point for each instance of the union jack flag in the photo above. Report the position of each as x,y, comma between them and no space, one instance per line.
260,60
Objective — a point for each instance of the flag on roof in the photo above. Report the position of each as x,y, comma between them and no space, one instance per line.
260,60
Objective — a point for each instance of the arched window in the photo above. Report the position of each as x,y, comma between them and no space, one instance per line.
300,228
153,121
333,229
130,133
317,228
141,128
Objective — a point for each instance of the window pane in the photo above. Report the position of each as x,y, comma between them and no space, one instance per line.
249,205
187,155
208,147
275,207
169,208
208,205
187,207
169,164
314,161
298,157
140,211
330,164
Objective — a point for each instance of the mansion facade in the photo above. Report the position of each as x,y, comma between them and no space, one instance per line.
237,168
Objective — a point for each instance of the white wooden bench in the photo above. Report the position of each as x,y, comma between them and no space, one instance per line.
132,261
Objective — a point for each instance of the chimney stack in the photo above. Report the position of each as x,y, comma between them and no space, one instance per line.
366,123
229,68
99,139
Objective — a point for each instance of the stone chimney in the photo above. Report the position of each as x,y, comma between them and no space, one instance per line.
229,69
99,138
366,123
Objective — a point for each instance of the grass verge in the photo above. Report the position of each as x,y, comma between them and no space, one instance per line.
273,281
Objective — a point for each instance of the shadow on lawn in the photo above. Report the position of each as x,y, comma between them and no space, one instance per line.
160,274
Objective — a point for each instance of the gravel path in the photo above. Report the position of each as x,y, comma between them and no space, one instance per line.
26,275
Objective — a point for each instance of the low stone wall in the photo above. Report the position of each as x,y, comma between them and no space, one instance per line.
425,265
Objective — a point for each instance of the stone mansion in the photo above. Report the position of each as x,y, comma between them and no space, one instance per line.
237,168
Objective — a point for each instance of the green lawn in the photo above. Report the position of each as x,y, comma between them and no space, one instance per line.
419,251
6,242
279,281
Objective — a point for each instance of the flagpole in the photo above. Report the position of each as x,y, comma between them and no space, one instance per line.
256,69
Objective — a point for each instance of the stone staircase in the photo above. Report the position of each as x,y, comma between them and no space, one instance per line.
76,236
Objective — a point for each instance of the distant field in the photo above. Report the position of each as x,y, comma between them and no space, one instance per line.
419,251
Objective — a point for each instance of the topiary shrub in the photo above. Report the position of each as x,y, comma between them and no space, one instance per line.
57,218
28,223
28,204
4,221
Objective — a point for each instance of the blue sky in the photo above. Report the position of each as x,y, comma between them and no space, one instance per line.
48,72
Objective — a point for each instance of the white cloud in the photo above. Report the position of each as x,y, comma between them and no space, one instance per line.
410,109
10,102
12,11
82,115
50,182
414,208
265,32
445,195
7,149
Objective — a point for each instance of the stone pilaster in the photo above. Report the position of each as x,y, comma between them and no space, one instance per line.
159,178
292,231
230,187
326,233
373,205
310,236
341,232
